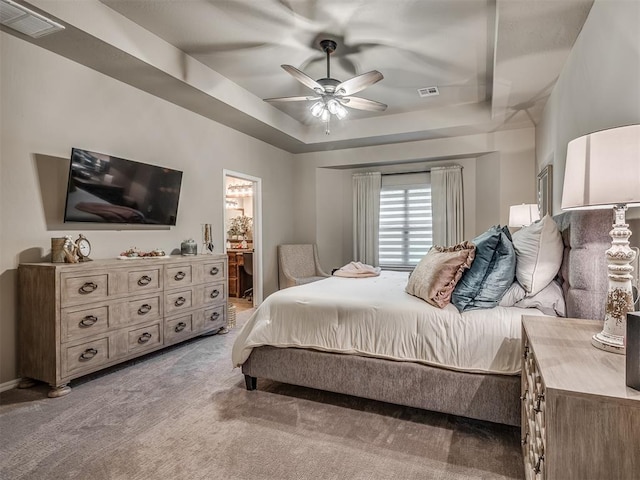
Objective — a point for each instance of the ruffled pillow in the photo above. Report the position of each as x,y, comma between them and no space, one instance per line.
437,274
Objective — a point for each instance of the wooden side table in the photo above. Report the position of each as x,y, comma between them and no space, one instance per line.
579,419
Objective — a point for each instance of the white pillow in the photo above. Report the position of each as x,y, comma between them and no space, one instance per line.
550,300
539,251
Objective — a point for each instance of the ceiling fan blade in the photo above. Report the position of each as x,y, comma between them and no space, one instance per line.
355,84
303,78
363,104
291,99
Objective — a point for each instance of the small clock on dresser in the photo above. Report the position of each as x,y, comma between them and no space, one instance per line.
83,248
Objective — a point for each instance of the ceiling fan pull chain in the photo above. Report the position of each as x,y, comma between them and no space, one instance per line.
327,131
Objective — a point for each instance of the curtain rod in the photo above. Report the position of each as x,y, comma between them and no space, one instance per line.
428,170
406,173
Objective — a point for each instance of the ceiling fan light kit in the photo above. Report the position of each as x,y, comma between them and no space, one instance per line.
332,96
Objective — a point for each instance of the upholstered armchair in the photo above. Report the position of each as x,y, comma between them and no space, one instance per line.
298,264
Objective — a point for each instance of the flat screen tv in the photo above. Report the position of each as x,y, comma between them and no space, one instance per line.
107,189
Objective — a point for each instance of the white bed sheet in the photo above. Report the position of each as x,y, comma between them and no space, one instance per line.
376,317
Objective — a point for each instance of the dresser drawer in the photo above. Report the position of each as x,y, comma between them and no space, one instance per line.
141,281
143,309
175,302
177,328
178,276
212,294
84,289
144,338
214,317
213,271
82,323
534,441
86,356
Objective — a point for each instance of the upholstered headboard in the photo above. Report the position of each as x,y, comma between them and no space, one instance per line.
584,267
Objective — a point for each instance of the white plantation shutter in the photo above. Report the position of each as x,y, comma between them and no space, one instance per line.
405,231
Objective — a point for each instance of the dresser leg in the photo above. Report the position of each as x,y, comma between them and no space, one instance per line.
250,382
59,391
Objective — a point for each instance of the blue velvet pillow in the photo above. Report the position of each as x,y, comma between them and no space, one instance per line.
491,274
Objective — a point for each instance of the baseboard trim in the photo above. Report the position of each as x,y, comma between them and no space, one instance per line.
9,385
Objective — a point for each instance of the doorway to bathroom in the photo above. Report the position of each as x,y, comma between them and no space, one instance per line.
243,238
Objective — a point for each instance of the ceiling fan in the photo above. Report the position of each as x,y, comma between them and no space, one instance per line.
331,95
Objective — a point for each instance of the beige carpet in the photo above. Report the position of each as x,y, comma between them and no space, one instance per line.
184,414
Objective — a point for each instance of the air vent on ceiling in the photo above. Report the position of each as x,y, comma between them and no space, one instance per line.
428,91
26,21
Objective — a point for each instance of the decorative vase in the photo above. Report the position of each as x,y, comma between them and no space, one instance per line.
207,239
57,249
189,247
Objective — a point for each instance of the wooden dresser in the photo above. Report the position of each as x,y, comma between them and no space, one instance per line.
236,272
80,318
579,419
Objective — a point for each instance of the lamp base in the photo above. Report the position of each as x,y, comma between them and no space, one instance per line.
619,295
608,343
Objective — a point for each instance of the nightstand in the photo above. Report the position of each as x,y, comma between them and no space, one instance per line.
579,419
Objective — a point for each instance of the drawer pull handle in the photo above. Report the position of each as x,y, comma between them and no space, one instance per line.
180,326
144,280
179,276
214,271
524,440
180,301
88,287
214,316
538,467
144,338
539,399
524,395
88,321
88,354
215,293
144,309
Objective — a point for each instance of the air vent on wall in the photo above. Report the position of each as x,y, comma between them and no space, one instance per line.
17,17
428,91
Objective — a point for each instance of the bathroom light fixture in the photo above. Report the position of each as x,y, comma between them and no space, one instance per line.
240,190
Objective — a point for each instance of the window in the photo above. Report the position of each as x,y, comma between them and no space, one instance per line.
405,233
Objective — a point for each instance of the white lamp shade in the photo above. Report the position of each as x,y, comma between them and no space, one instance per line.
523,215
603,169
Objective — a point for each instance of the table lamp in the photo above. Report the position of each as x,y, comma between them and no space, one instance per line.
603,171
523,215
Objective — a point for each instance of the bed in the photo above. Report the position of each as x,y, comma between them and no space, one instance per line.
417,369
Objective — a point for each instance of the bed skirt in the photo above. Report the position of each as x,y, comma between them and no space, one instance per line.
489,397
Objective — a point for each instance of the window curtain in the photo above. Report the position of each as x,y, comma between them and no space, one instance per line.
366,217
447,205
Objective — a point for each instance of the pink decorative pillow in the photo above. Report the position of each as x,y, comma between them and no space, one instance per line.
437,274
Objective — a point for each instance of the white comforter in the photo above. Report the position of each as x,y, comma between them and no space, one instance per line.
376,317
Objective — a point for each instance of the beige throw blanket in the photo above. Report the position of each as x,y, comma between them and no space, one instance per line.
357,270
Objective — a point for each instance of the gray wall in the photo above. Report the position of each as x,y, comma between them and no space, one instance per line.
498,171
599,86
51,104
